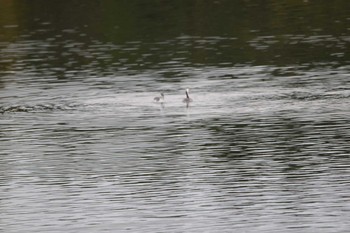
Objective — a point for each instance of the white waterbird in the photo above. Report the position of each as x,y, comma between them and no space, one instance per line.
159,99
187,99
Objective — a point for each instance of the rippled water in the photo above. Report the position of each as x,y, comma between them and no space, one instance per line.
264,146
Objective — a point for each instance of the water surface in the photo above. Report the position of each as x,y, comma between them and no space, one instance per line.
262,148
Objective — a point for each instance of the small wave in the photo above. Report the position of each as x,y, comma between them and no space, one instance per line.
300,96
306,96
37,108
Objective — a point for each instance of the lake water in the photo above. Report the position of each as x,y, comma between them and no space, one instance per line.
263,147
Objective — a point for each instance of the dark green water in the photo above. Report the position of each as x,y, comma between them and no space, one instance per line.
263,147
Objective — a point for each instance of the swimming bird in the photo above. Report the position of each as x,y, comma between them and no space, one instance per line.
187,99
159,99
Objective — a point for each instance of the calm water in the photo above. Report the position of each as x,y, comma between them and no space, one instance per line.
264,146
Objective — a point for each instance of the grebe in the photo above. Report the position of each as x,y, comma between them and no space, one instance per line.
187,99
159,99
